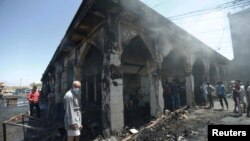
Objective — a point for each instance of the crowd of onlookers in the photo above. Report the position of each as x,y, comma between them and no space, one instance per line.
208,92
174,95
241,97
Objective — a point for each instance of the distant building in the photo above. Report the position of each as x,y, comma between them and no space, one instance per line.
22,90
240,33
1,87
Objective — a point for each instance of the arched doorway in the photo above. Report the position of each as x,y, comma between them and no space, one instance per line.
91,92
173,67
136,63
198,73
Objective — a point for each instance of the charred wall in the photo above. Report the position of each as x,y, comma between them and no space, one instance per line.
114,50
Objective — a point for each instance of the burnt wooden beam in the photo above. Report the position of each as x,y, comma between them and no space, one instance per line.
137,65
99,14
77,37
82,26
87,34
69,44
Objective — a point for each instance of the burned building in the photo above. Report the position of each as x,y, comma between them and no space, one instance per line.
123,52
240,33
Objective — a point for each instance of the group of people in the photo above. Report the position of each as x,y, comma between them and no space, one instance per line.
207,93
171,95
72,117
241,95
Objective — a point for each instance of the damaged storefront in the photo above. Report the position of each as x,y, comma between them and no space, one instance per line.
123,52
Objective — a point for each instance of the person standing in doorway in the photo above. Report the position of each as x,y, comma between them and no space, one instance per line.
175,93
33,98
73,118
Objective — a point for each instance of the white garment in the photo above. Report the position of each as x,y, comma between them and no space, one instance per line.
72,110
73,132
248,88
242,93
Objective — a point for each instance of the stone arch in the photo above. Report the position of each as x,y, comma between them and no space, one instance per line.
173,67
137,64
198,73
138,39
85,52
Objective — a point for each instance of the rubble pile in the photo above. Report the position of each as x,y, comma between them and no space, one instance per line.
168,129
181,125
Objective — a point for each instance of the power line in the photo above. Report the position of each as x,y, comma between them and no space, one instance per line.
215,30
228,5
206,19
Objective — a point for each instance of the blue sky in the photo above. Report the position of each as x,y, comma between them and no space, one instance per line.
31,30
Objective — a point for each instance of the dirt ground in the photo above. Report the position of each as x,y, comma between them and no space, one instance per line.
190,124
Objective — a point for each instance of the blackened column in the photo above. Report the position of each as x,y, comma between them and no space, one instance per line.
112,90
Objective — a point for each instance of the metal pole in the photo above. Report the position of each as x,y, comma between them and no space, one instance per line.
4,132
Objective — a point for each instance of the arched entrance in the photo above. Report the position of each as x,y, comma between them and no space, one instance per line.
173,67
91,92
198,73
136,62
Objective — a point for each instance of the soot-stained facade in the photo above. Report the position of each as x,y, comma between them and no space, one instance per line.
123,52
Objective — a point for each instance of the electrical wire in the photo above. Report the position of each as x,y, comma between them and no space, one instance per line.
228,5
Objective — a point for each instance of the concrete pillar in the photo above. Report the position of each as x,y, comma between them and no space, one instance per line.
116,106
160,95
112,87
116,94
190,99
190,90
156,99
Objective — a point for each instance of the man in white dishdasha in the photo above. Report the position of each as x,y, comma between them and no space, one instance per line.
72,118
